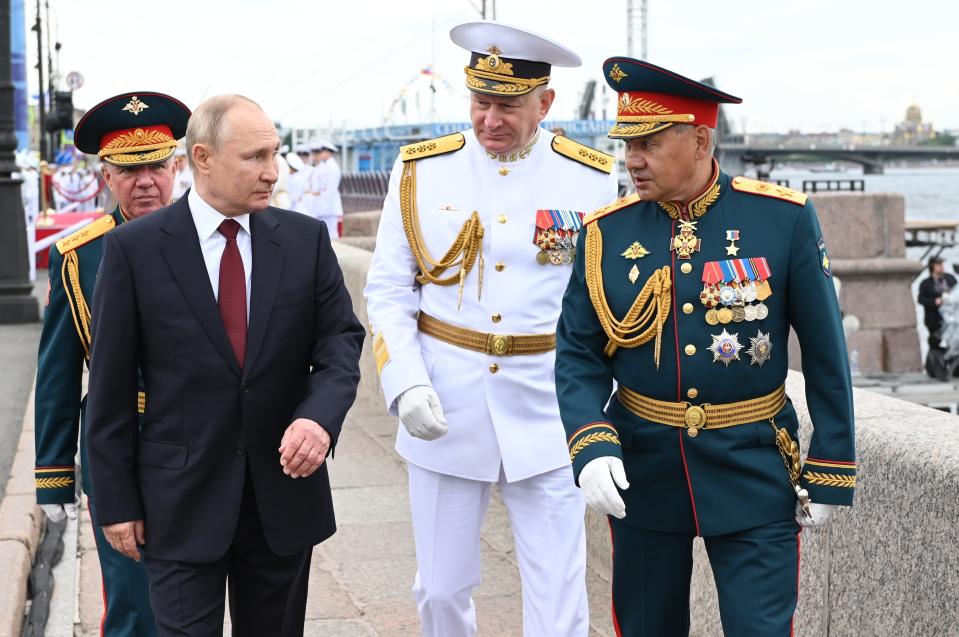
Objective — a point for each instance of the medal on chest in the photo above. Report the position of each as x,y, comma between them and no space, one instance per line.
685,243
725,347
555,235
734,290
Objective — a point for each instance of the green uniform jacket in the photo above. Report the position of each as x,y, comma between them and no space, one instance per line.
64,348
722,480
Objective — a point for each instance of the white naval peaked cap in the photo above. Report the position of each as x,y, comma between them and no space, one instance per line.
512,42
294,161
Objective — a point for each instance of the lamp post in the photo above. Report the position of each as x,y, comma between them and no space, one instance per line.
17,303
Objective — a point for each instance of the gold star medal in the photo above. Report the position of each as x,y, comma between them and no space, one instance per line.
725,347
732,236
760,349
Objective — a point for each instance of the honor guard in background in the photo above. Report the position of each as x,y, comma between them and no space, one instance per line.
329,204
135,136
184,176
296,182
473,253
315,180
683,294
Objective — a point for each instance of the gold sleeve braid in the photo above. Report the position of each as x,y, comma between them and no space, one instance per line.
645,319
70,273
463,252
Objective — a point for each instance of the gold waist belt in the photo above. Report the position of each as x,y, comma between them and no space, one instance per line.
693,418
495,344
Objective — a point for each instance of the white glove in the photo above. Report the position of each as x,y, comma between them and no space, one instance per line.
599,479
820,514
421,413
56,512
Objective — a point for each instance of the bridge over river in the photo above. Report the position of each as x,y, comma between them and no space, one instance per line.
736,157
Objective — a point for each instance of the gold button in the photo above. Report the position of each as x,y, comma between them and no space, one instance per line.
687,308
493,368
686,268
497,318
502,218
692,392
500,266
504,171
690,349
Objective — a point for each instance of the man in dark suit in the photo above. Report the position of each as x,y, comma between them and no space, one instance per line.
238,319
930,297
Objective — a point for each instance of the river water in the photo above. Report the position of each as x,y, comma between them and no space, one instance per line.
931,194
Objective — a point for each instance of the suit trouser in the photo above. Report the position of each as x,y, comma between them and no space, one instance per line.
126,591
756,573
546,514
267,591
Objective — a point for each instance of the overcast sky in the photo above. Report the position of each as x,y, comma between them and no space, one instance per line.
813,65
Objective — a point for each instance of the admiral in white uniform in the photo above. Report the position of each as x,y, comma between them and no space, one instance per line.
472,258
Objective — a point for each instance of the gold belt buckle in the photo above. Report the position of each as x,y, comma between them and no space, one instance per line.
500,344
695,419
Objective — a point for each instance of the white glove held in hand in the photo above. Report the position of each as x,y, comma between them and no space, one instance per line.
599,479
421,413
56,512
820,514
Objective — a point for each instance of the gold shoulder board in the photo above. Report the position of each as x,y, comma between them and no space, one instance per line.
86,234
583,154
744,184
433,147
619,204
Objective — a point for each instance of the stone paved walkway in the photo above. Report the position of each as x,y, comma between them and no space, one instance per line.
360,579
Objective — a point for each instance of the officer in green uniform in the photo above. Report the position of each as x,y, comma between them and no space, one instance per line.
135,136
684,294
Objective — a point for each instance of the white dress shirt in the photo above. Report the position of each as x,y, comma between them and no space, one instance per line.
207,221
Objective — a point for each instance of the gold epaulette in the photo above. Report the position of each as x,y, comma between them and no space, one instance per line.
86,234
583,154
619,204
433,147
745,184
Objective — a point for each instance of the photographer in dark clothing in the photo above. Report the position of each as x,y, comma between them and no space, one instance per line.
930,298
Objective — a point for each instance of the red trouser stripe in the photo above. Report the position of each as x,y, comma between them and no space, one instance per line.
798,566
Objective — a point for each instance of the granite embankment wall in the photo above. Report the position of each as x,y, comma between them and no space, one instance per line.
888,566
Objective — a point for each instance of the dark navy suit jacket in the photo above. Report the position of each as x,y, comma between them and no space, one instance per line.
207,420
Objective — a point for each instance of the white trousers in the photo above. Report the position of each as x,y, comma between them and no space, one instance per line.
546,513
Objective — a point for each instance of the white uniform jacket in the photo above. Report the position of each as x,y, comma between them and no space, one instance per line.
508,417
330,203
315,184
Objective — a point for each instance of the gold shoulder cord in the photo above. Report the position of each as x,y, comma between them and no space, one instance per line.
467,245
649,312
70,273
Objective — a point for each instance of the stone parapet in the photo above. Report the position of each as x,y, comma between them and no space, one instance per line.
21,523
865,234
361,224
887,567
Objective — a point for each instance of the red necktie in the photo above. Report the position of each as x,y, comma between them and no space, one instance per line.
232,299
